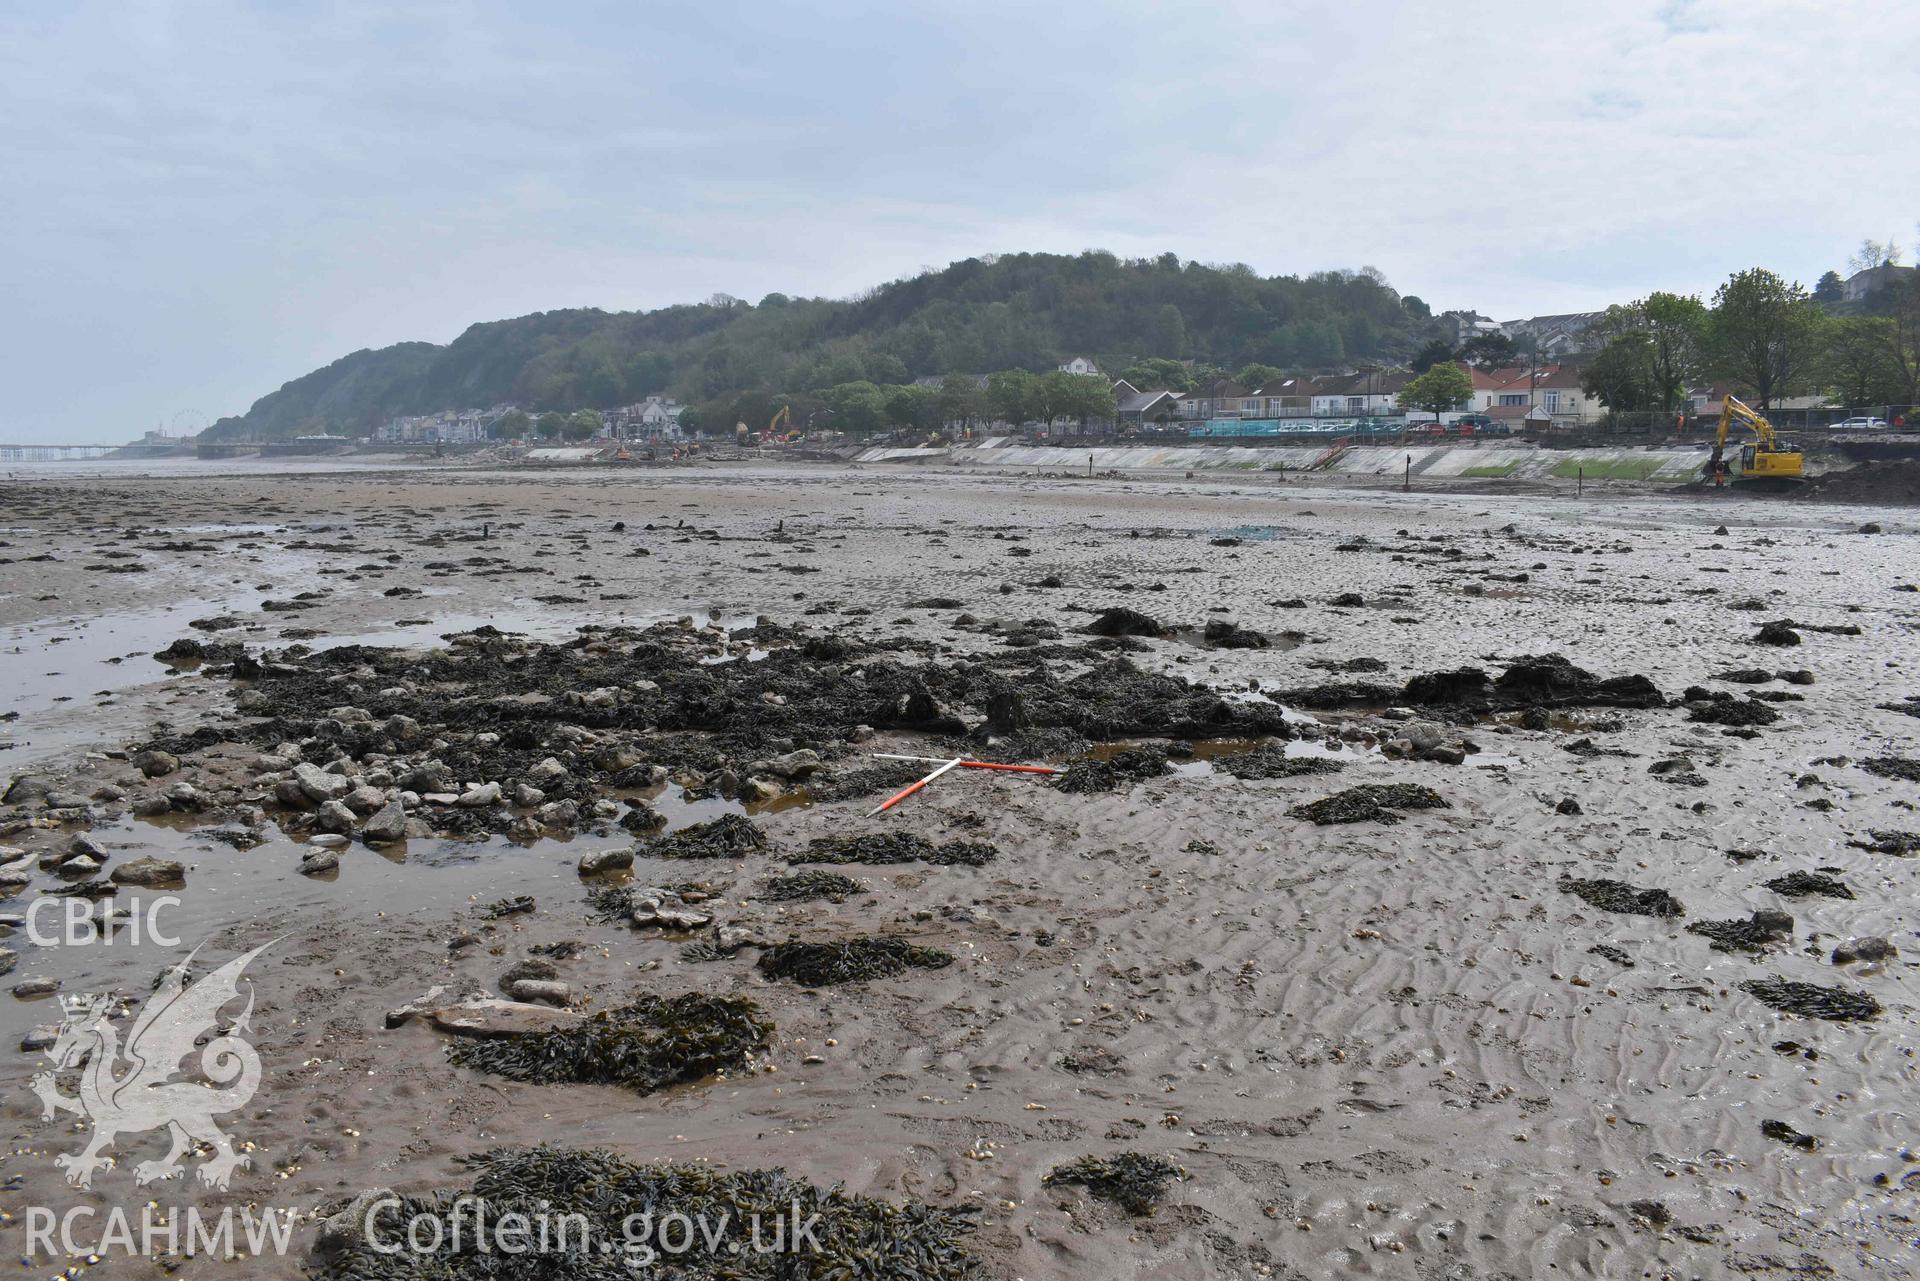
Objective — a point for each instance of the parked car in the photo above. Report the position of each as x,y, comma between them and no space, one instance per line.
1861,424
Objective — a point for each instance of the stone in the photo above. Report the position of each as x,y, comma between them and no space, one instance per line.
319,862
480,797
793,765
27,989
527,797
320,785
27,787
1865,949
154,763
549,991
149,871
364,799
547,770
334,816
388,824
327,840
597,862
487,1016
151,806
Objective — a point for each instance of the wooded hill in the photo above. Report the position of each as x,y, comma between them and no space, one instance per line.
1017,311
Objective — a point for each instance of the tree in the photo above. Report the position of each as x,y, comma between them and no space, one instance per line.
1830,290
512,425
909,405
1255,376
1011,393
1903,340
1441,388
1857,361
551,425
1623,377
961,399
1675,326
1436,351
1762,331
1871,254
583,424
1488,351
1157,373
859,408
1416,307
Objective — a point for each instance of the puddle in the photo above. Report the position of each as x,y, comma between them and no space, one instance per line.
224,886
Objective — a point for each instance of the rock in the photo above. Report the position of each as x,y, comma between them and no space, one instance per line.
1865,949
327,841
319,785
40,1038
527,797
386,826
149,871
793,765
27,989
547,770
27,787
8,959
480,797
1568,806
597,862
79,865
549,991
1778,632
154,763
435,997
344,1233
1871,527
319,862
151,806
1446,754
434,776
84,844
365,799
490,1017
334,816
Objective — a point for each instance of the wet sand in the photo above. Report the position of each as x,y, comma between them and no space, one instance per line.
1375,1049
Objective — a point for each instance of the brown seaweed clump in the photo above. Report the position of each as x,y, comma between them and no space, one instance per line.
894,847
1882,841
1618,896
1811,1000
1764,928
609,1219
853,960
1901,768
1134,1182
729,836
1804,884
806,886
1273,762
646,1045
1369,803
1123,768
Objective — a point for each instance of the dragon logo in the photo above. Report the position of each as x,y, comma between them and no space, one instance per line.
131,1090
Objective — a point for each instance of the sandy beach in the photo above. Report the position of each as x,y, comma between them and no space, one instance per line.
1408,1047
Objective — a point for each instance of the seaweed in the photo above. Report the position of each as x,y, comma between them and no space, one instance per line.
626,1220
729,836
1903,768
894,847
1722,708
1811,1000
1618,896
1134,1182
1130,766
1273,762
1763,928
1884,841
1804,884
1369,803
810,884
646,1045
519,903
885,776
1121,621
852,960
1785,1133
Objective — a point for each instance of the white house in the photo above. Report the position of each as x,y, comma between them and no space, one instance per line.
1079,365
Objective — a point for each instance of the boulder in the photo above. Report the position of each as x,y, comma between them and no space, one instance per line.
154,763
149,871
597,862
388,824
319,785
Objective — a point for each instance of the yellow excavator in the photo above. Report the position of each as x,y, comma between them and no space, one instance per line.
1768,462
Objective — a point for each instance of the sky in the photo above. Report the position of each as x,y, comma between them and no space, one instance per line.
202,200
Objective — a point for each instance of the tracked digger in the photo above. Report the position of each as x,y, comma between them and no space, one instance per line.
1767,463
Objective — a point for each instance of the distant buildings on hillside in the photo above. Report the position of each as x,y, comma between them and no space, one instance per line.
655,416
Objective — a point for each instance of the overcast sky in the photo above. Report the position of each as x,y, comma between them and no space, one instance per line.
200,201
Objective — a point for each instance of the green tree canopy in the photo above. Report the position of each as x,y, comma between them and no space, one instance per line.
1623,376
1762,332
1442,388
1435,351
